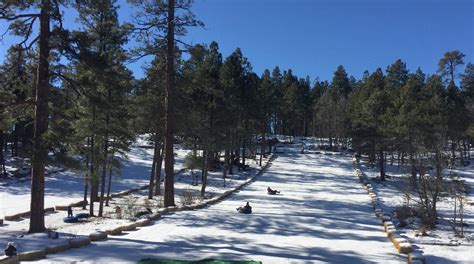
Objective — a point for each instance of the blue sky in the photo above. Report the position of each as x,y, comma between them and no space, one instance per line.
313,37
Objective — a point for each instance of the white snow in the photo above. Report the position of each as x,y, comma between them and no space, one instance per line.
321,215
65,187
441,246
134,176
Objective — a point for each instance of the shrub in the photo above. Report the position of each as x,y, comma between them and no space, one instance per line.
188,197
131,207
403,213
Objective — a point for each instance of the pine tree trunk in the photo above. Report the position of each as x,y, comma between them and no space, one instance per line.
230,163
466,150
382,165
226,164
41,123
203,165
153,167
86,179
15,141
105,163
93,175
2,157
169,112
4,146
204,178
158,165
262,147
453,149
413,168
109,185
244,149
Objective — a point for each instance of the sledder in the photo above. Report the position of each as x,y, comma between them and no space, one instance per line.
272,192
75,218
247,209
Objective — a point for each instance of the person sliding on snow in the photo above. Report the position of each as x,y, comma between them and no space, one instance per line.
10,250
270,191
247,209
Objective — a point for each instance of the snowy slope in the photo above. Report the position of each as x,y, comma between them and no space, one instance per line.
441,245
322,215
67,187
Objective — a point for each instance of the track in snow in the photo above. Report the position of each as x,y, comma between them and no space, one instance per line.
322,215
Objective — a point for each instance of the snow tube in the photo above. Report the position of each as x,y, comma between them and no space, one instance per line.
244,211
70,219
81,215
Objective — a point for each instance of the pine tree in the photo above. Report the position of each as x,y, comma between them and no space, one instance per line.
448,65
277,96
467,88
408,119
22,17
202,104
233,74
155,19
264,98
17,75
105,82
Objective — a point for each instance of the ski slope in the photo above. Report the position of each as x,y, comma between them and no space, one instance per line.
321,215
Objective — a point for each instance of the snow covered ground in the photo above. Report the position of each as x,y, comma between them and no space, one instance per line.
441,245
131,204
65,187
321,215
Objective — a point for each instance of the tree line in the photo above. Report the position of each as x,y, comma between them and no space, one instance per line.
68,98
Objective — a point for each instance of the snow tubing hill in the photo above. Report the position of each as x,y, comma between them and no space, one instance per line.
203,261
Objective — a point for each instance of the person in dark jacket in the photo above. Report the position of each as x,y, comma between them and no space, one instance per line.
10,250
247,209
270,191
69,211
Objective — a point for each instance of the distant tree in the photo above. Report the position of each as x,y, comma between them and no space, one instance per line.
192,161
448,65
264,98
204,112
233,80
341,85
369,117
333,116
396,78
319,88
467,82
467,88
277,99
16,81
408,120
